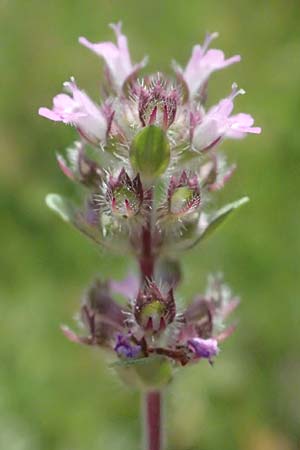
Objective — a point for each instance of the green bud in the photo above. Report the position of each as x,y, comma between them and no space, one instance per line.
125,202
150,152
152,316
180,199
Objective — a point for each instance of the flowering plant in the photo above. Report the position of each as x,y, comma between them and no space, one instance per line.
148,157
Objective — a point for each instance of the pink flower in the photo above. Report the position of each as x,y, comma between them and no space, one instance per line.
217,123
202,64
79,110
117,57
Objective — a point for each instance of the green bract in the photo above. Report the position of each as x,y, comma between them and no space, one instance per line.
71,214
150,152
153,372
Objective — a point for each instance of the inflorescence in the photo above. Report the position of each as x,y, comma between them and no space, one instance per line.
149,158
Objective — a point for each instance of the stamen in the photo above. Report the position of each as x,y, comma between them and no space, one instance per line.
236,91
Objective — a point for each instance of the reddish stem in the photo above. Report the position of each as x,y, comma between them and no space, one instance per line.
153,399
153,420
147,256
147,259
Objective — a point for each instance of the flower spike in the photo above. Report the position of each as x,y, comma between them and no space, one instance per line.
149,161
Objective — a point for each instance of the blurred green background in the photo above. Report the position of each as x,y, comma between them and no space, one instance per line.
59,396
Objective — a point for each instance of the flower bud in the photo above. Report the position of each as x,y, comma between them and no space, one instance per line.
150,152
153,311
78,167
157,104
183,197
125,196
216,173
101,315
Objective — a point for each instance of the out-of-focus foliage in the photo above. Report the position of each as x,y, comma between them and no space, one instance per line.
59,396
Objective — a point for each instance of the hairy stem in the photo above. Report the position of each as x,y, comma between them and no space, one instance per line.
153,433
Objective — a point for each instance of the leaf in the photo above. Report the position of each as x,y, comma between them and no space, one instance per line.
212,222
70,213
61,206
219,217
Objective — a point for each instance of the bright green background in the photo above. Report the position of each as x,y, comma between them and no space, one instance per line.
58,396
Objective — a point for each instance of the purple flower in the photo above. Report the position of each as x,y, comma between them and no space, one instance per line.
202,64
124,348
203,348
79,110
117,57
217,123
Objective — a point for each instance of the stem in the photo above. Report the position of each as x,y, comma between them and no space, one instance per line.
153,434
152,400
147,259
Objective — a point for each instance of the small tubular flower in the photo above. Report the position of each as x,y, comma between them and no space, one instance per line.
217,124
202,64
79,110
116,57
203,348
125,348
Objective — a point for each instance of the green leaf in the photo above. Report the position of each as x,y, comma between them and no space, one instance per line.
195,232
150,152
216,219
219,217
70,213
61,206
